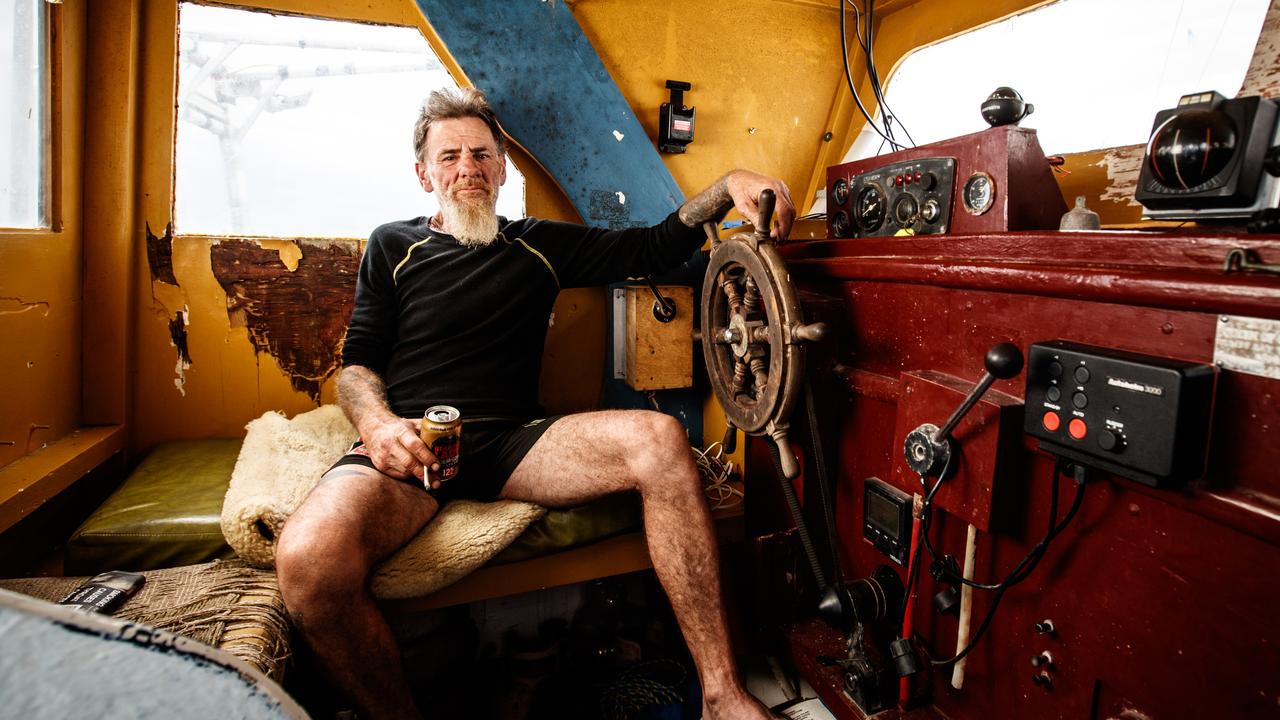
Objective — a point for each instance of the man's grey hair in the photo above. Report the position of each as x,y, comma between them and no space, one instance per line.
448,104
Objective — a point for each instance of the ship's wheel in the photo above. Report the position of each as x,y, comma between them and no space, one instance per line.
753,335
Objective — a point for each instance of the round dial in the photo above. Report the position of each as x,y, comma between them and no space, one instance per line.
869,208
840,191
840,224
905,209
979,193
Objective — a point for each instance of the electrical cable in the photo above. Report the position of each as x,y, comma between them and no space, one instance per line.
886,119
874,74
848,76
913,566
1041,547
1022,570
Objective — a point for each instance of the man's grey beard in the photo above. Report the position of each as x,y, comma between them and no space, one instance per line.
473,222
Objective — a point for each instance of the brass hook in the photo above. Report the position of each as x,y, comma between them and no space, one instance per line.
1241,259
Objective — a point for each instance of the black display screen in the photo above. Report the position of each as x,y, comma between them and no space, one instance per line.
882,513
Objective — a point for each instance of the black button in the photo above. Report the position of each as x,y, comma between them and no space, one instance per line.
1082,374
1054,393
1111,441
1079,400
1055,369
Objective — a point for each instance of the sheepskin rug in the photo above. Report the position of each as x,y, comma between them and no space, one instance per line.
281,461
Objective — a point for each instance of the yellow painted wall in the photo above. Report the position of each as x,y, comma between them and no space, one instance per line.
780,89
767,83
40,275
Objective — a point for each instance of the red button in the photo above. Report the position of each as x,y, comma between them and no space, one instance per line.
897,180
1077,428
1051,421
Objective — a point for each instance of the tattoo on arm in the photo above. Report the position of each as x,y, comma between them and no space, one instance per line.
709,205
362,394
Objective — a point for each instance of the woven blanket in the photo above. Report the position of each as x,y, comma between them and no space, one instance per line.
282,460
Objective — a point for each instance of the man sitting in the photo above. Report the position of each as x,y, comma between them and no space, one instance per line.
453,310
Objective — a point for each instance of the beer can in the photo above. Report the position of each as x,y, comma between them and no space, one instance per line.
442,433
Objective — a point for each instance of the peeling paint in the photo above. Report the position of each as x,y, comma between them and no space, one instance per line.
606,210
17,306
618,136
622,198
1122,165
297,314
290,252
178,339
160,255
1263,76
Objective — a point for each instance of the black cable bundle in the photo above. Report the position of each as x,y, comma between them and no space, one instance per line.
1019,573
873,75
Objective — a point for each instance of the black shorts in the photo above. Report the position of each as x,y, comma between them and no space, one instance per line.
491,450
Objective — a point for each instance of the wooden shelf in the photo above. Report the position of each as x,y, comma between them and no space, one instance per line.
30,481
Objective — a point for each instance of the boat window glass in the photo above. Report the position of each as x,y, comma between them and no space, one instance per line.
291,126
24,120
1097,71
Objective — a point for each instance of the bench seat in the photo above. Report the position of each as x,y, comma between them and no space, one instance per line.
167,513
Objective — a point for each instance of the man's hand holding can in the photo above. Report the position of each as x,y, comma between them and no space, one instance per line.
441,432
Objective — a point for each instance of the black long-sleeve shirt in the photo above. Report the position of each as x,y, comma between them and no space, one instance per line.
443,323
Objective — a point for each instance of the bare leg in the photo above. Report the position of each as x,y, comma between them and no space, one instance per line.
586,456
355,518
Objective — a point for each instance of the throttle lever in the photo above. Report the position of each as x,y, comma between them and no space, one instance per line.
928,447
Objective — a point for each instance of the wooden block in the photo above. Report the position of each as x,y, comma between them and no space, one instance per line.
930,397
659,355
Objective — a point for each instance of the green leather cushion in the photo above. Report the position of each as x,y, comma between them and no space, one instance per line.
573,527
165,514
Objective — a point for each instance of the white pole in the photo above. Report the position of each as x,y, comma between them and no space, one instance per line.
966,606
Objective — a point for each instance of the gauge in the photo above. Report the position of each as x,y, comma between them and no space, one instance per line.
869,208
905,208
840,224
840,191
979,193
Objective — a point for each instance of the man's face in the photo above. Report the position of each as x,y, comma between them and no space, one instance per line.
462,162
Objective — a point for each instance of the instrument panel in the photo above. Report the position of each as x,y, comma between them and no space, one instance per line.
997,180
905,198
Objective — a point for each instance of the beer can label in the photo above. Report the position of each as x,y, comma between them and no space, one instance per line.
442,433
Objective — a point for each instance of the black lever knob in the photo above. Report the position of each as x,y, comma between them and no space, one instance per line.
1003,360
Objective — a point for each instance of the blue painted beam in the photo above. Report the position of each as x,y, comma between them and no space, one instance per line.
554,96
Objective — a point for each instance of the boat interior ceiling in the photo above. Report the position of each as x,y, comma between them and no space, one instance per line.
983,387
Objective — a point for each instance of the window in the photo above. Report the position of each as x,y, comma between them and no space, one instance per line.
1097,71
293,126
24,119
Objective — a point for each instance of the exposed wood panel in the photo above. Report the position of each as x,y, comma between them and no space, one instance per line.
298,315
1263,76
